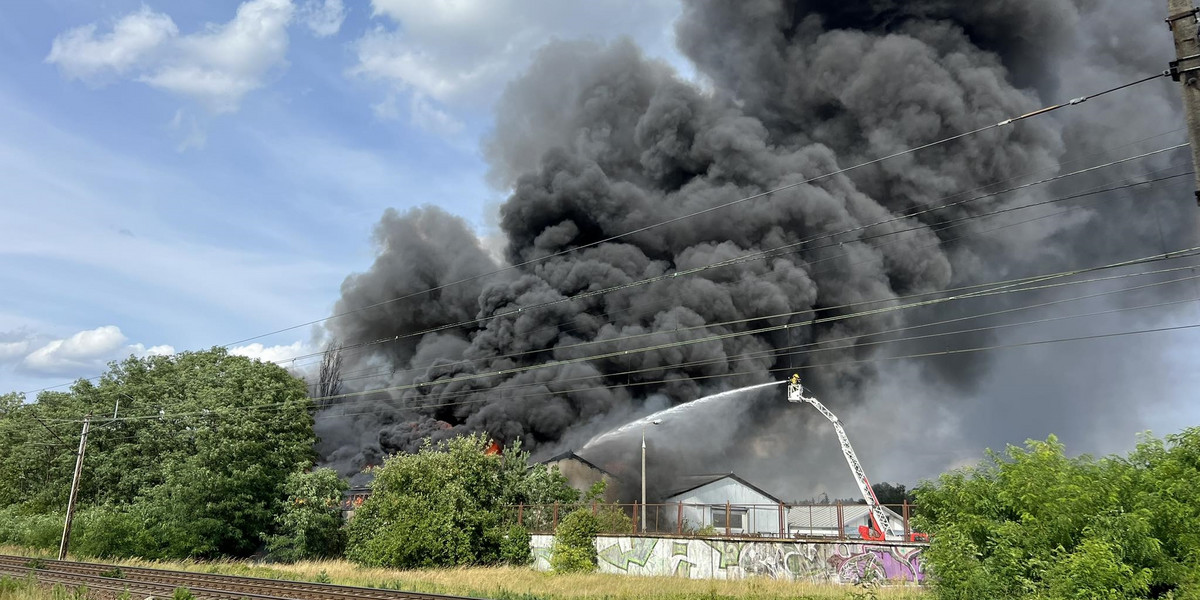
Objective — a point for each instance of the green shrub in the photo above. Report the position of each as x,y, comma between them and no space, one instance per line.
515,548
574,549
310,521
39,531
107,532
1034,523
1094,570
447,505
611,519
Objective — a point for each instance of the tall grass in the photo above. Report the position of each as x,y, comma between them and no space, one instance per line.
20,589
515,583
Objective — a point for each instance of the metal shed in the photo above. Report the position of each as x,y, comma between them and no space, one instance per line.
727,502
822,520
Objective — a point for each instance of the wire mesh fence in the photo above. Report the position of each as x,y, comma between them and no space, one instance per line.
840,521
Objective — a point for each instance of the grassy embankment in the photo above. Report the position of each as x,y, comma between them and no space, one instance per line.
16,589
508,583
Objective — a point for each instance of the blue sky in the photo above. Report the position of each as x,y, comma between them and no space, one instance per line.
176,175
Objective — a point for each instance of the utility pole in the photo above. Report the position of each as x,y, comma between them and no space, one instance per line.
66,536
643,479
1182,19
654,422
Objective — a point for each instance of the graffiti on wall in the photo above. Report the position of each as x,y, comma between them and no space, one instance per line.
729,559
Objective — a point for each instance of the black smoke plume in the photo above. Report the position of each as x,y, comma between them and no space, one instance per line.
597,140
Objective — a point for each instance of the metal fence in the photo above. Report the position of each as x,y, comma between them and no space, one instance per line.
836,521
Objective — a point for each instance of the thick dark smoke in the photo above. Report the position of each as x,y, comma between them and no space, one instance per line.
597,140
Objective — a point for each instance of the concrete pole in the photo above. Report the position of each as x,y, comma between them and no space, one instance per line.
66,536
654,422
1181,17
643,479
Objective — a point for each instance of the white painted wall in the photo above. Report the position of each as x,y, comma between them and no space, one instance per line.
700,502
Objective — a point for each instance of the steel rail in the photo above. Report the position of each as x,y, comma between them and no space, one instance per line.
202,585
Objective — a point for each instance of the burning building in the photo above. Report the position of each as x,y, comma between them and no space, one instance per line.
597,140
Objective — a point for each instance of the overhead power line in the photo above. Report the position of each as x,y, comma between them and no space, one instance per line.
770,252
855,341
1017,285
931,354
753,256
619,340
758,331
565,327
612,238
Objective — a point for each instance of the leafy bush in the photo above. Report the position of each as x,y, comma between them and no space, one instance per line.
515,548
445,505
107,532
30,530
1034,523
610,518
574,549
310,520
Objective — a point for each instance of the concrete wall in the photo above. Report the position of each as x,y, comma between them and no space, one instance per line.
818,562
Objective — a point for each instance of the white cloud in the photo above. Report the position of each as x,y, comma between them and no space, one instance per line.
83,353
80,351
323,18
276,354
220,65
81,54
430,118
162,350
216,67
387,109
188,130
459,52
13,350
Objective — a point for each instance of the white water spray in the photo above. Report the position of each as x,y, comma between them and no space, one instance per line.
674,411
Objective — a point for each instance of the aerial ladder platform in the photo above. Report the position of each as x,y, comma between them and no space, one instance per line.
880,528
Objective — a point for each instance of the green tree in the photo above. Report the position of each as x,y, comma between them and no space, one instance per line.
446,504
892,494
198,455
310,520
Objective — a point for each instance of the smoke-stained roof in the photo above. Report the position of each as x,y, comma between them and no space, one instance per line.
570,455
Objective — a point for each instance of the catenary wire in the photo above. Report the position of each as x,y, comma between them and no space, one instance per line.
767,254
998,288
777,353
752,256
350,349
940,227
1028,115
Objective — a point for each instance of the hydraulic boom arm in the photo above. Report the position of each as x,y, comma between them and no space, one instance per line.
879,518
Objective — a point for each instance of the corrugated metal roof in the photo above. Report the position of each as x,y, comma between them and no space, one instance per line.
695,482
825,516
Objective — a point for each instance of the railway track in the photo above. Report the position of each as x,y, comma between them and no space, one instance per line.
103,581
